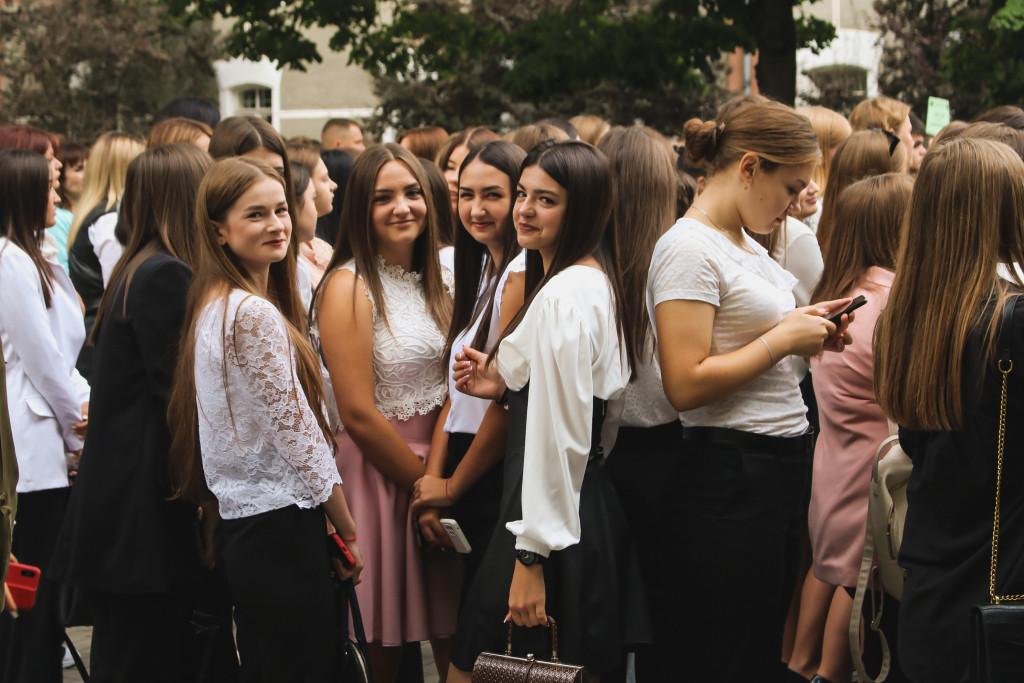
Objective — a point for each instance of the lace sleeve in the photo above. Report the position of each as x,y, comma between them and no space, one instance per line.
262,350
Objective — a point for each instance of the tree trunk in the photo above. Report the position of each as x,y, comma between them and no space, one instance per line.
774,30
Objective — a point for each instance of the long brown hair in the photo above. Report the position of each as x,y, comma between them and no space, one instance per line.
965,220
357,240
157,214
587,229
218,272
870,215
473,260
645,207
24,200
862,155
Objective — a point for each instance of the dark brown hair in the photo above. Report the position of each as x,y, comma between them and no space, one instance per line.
473,259
24,200
587,229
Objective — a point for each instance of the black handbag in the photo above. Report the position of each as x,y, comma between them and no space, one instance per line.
355,659
997,629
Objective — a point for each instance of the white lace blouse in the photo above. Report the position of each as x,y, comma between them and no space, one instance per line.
408,375
261,445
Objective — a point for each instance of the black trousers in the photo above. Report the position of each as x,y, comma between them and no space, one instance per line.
740,509
141,637
641,467
278,575
32,646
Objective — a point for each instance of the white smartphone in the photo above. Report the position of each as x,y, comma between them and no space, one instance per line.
455,533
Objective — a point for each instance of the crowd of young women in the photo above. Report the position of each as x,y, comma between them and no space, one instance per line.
586,363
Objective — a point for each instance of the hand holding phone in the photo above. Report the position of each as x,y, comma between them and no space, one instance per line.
454,531
853,306
338,550
23,580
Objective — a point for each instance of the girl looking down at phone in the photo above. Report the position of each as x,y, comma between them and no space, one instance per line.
727,329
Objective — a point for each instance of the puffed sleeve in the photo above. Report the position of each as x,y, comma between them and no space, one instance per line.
262,350
29,332
553,350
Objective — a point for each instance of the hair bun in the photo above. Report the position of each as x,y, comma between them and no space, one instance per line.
702,140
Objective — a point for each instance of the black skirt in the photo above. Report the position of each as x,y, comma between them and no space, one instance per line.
477,510
594,589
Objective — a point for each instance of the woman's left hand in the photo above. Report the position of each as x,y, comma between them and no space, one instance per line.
430,491
838,340
526,597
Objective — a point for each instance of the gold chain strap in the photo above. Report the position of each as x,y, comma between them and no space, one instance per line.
996,599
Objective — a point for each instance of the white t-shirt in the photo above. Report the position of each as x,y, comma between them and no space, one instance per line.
751,294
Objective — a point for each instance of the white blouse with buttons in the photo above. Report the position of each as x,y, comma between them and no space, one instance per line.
567,347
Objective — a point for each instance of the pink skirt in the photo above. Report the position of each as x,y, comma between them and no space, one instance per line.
406,594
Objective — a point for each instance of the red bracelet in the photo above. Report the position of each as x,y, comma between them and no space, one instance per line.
350,540
446,490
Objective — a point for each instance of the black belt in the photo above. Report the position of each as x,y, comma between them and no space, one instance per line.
803,443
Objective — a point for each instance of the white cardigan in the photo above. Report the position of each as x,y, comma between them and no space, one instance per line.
41,345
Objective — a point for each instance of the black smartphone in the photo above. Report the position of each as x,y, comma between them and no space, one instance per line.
854,305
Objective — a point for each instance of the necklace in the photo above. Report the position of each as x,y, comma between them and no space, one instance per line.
722,230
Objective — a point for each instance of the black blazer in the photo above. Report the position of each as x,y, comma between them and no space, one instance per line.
121,533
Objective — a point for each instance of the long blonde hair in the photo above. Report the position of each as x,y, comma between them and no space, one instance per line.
219,269
104,175
966,217
832,128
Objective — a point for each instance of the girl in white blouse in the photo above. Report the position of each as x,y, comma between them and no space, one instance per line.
381,312
727,331
42,330
562,547
250,436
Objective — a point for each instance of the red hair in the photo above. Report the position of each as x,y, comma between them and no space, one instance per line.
28,137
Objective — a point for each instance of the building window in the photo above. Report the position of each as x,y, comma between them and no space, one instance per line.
253,101
838,86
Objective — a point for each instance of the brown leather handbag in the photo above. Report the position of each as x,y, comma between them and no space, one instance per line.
496,668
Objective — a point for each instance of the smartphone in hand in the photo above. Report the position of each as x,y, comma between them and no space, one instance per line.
853,306
23,580
336,548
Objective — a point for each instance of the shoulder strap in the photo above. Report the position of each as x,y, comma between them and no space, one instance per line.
1006,328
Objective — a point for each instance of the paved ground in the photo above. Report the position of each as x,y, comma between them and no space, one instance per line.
81,636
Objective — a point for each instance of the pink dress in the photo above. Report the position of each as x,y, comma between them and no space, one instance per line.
852,427
406,594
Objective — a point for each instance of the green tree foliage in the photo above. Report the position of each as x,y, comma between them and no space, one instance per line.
82,67
970,52
452,62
